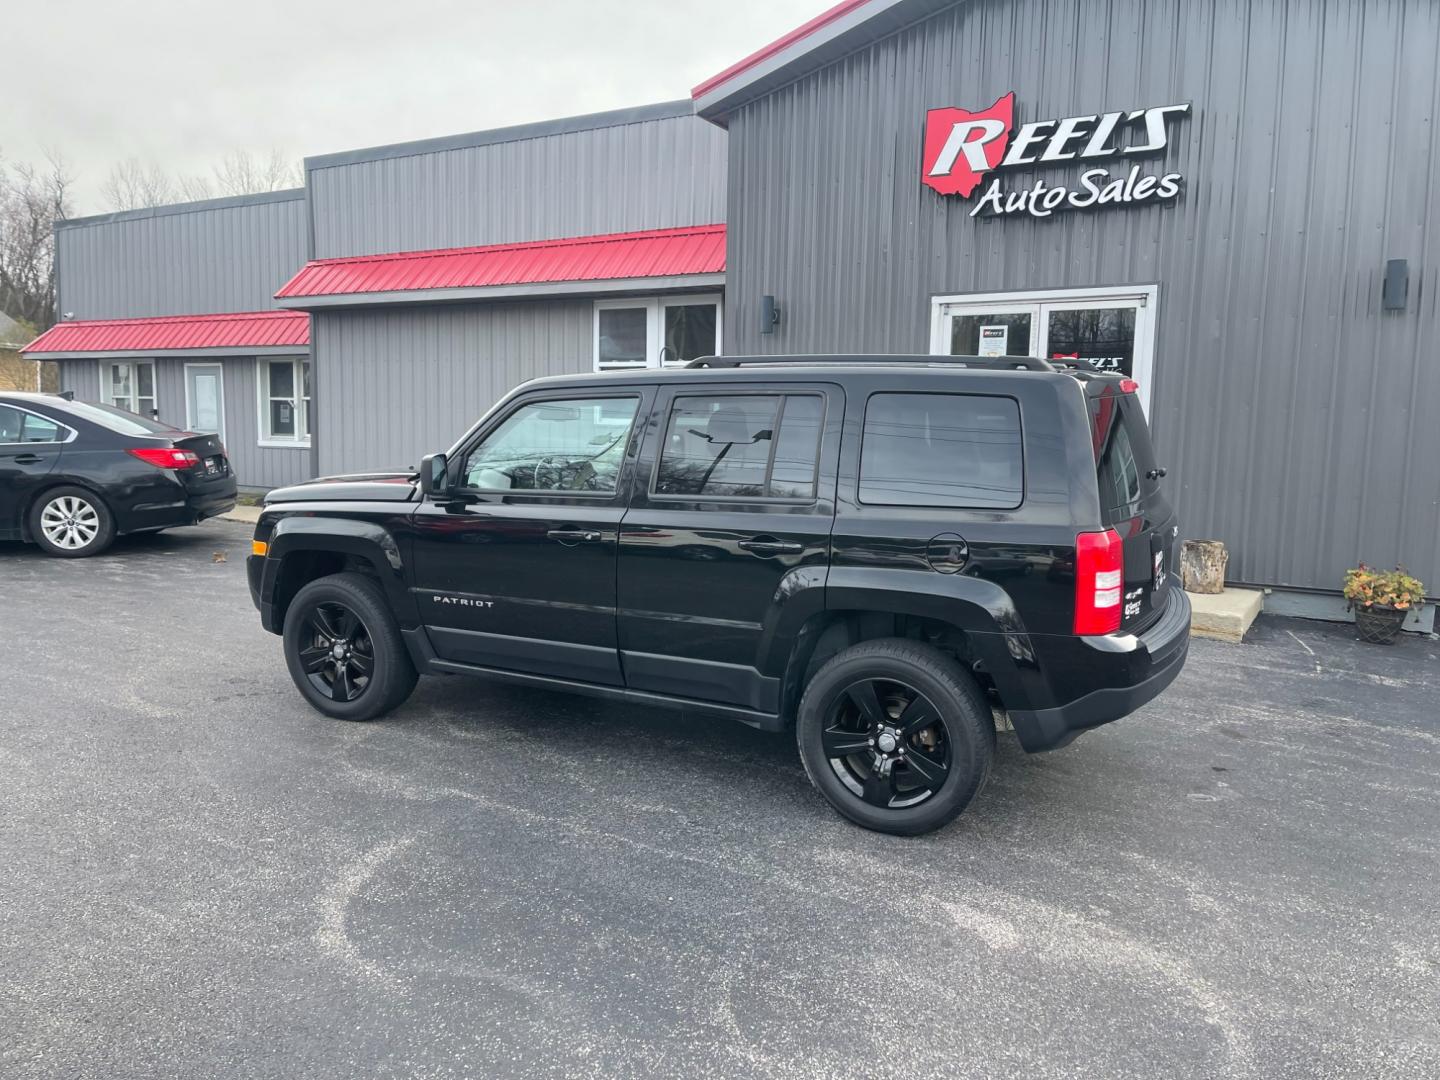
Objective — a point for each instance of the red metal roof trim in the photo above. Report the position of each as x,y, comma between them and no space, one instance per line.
171,333
825,18
698,249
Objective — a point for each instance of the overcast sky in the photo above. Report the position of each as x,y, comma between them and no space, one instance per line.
183,83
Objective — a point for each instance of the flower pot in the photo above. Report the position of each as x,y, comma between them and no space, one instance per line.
1378,624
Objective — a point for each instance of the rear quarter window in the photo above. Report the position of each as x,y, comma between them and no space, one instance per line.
945,450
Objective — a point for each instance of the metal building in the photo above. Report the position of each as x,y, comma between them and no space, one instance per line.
1232,201
1247,221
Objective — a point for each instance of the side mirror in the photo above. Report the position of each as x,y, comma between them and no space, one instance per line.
434,479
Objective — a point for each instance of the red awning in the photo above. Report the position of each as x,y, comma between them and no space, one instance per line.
264,331
695,251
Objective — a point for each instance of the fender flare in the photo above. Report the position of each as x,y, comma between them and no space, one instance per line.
981,609
366,540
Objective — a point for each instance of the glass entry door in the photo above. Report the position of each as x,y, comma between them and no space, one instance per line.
1114,329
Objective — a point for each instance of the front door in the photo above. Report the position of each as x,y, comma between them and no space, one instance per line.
728,533
205,399
1112,328
515,569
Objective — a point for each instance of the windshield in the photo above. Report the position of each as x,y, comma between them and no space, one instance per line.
117,420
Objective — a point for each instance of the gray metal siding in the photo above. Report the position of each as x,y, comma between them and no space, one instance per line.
176,261
255,466
395,384
649,175
1295,417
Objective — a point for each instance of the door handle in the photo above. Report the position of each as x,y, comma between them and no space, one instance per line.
574,536
27,459
768,545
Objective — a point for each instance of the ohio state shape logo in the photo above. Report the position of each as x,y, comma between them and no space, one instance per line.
961,147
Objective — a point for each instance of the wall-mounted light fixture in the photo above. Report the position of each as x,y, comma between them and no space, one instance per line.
1397,285
769,314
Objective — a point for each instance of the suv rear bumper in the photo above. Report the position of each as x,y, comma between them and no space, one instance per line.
1145,665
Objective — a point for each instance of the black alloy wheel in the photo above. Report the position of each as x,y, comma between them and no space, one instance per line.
336,653
896,735
344,650
887,743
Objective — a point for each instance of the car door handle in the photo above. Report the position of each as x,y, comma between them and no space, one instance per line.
768,545
27,459
574,536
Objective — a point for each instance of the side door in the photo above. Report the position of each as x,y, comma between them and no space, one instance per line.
515,567
726,545
30,447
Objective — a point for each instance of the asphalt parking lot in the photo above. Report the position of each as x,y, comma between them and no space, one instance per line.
204,878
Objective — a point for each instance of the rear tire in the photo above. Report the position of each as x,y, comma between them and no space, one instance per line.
71,523
896,736
343,648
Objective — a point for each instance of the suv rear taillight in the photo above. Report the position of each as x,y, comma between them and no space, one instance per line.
168,457
1099,581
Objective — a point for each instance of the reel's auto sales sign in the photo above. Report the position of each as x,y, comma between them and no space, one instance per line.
962,148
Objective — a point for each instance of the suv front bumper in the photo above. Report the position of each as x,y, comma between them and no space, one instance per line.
1143,665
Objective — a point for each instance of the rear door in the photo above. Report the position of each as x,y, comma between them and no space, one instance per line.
1132,501
730,519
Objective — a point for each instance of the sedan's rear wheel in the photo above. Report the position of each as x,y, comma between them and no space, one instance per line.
896,735
71,522
343,648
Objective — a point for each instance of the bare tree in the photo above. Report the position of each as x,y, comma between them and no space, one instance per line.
241,173
32,199
133,184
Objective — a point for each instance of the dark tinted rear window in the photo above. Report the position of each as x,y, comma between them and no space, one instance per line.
941,450
117,420
1123,455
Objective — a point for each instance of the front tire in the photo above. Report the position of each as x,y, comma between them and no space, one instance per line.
343,648
896,736
71,523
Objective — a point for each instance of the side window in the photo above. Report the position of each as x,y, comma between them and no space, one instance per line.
555,446
39,429
741,446
941,450
12,423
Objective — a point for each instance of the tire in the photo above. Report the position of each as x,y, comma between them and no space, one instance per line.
347,609
941,753
71,522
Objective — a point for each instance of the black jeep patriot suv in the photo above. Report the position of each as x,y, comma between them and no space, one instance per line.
884,551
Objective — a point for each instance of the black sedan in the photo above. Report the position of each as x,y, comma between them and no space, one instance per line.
73,475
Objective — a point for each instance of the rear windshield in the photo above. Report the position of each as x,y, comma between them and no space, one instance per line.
1123,455
117,420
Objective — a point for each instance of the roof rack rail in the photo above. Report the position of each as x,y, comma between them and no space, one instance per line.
987,363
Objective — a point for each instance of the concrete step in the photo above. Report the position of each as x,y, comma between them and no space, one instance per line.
1224,616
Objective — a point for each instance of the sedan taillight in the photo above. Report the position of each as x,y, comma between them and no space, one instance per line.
1099,581
167,457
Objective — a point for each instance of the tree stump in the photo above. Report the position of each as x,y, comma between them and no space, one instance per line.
1202,566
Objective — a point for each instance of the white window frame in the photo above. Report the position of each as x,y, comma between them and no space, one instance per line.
189,405
655,325
106,398
1143,298
263,399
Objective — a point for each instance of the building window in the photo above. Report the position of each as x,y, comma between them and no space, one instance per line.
655,332
129,385
285,402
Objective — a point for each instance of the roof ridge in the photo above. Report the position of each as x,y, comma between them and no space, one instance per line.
214,316
511,245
